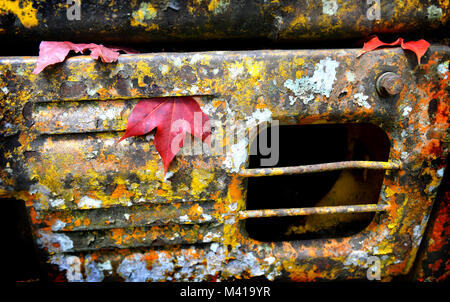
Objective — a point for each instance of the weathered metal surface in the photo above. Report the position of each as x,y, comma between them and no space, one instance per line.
433,263
172,20
319,168
102,211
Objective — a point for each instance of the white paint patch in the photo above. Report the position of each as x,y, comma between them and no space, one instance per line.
357,258
417,233
440,172
55,243
184,218
324,76
404,133
321,82
245,263
127,216
150,136
418,230
443,69
162,266
105,266
57,203
434,12
235,71
195,58
350,76
361,100
168,175
58,225
214,246
237,152
210,236
270,260
259,116
91,91
177,61
233,206
93,273
89,203
406,110
208,109
134,269
164,69
71,264
206,217
110,114
111,142
329,7
404,155
193,89
5,90
238,156
38,188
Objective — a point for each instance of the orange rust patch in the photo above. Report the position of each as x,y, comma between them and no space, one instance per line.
235,188
120,191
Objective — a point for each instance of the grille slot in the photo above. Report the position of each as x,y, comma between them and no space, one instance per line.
333,183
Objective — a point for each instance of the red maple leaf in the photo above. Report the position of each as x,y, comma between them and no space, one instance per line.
418,47
51,52
172,118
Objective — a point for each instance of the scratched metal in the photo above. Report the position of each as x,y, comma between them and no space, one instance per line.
171,20
102,211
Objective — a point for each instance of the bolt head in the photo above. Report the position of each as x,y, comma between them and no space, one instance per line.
389,84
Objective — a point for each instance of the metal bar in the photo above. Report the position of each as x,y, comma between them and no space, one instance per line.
202,20
320,168
312,211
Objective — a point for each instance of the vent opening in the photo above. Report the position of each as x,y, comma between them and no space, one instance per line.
316,144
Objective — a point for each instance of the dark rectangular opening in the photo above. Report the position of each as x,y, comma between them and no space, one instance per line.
315,144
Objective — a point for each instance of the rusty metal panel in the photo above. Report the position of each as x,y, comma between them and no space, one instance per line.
174,20
102,211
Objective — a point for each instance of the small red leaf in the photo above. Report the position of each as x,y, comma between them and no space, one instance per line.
418,47
172,118
51,52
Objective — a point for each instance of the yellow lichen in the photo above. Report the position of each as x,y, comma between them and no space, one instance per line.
22,9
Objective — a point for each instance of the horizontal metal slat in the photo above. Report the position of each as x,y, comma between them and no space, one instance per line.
320,168
312,211
136,216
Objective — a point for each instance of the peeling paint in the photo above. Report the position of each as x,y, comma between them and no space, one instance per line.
443,69
111,200
329,7
434,12
133,269
53,242
58,225
357,258
71,264
321,81
361,100
89,203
